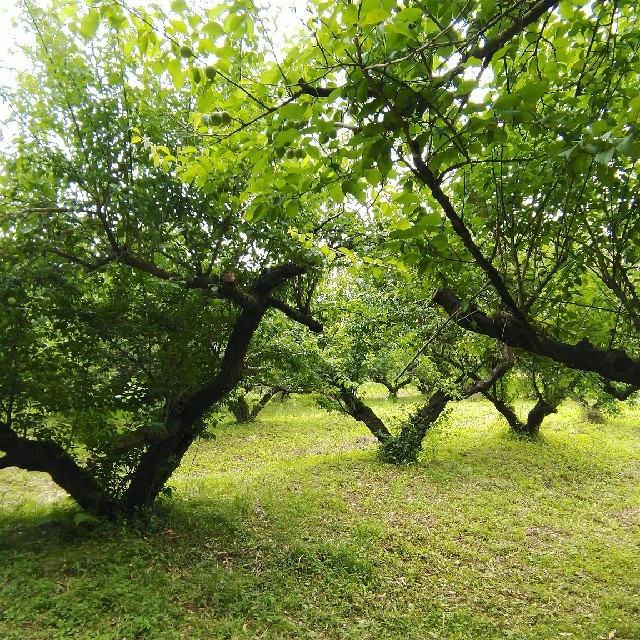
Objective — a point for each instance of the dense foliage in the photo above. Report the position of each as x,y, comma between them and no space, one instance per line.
178,179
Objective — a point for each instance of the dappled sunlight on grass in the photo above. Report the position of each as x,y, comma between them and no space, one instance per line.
291,528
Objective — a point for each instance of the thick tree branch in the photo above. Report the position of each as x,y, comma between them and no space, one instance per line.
98,263
480,385
358,410
51,458
620,394
295,314
491,47
415,429
613,365
461,230
316,92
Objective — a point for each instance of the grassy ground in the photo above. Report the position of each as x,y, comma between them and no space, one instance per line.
290,528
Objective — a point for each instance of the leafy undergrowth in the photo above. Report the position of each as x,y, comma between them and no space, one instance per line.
291,528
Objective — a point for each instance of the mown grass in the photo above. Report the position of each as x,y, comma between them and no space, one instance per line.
291,528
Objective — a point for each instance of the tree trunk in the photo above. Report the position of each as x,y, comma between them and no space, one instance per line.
515,424
407,446
244,413
357,409
417,426
240,409
156,466
530,428
540,411
262,403
184,422
163,456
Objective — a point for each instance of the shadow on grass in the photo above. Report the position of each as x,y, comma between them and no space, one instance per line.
482,538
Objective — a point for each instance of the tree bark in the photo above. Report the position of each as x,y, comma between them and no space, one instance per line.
620,394
51,458
515,424
612,365
357,409
540,411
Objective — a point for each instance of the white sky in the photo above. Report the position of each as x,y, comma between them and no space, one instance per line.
287,13
8,36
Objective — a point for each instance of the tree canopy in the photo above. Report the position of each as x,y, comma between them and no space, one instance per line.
178,179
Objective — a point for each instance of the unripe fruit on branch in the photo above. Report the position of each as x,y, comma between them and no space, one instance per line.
186,51
210,72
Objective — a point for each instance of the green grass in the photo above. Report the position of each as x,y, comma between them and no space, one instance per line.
290,528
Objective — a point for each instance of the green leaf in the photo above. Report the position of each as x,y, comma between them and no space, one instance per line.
533,91
374,17
205,101
213,29
410,14
284,138
117,21
629,147
293,207
507,101
177,74
180,27
179,6
89,24
599,127
466,86
604,157
402,225
400,28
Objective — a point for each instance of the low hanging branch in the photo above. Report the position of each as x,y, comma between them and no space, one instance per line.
49,457
613,365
